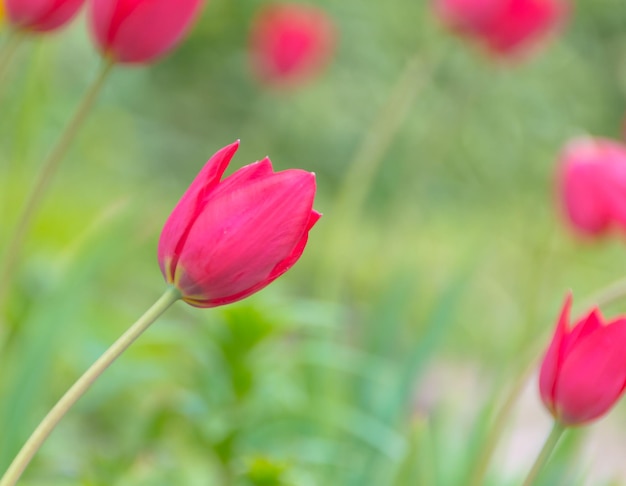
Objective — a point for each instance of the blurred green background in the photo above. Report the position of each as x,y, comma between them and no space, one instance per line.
384,355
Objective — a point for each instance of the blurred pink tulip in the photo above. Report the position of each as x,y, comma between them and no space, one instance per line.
290,43
503,27
227,239
40,15
139,31
583,373
592,185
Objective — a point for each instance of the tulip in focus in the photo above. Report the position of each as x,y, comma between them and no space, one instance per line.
227,239
39,15
139,31
503,27
584,370
290,43
592,185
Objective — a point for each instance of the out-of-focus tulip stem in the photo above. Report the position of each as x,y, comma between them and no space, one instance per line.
11,43
607,295
498,426
361,172
79,388
546,452
363,168
42,182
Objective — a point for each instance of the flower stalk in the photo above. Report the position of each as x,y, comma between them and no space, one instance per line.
11,43
546,452
42,182
79,388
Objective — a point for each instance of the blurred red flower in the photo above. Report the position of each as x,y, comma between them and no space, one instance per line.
40,15
290,43
139,31
503,27
583,373
227,239
591,185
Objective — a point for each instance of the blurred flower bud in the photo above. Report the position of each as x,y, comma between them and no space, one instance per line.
227,239
583,373
503,27
592,185
290,43
40,15
139,31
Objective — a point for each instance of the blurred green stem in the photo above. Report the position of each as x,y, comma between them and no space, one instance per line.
478,473
79,388
607,295
546,452
363,168
11,43
42,182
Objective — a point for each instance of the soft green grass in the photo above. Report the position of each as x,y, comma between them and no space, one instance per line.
457,259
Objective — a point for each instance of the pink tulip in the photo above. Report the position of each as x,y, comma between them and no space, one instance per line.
503,27
290,43
592,185
227,239
584,370
139,31
40,15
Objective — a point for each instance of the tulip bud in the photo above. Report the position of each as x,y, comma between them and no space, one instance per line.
591,184
227,239
290,43
503,27
139,31
583,373
40,15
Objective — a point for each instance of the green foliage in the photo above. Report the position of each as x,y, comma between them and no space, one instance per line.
386,367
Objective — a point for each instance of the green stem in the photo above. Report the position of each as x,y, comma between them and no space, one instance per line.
361,172
498,426
79,388
363,168
48,169
12,42
607,295
544,455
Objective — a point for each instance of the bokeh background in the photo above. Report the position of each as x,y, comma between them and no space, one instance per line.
384,356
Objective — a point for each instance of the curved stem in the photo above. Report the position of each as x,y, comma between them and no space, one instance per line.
12,42
498,426
79,388
42,182
362,170
607,295
546,452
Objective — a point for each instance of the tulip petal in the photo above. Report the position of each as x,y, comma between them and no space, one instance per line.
520,22
289,262
241,177
586,326
593,375
280,269
137,31
583,181
243,234
552,360
41,15
615,182
184,214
